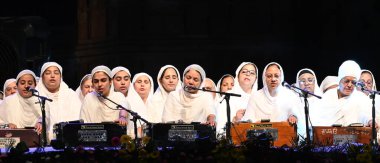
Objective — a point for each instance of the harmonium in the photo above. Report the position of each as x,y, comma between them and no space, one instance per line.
172,134
14,136
282,132
88,134
327,136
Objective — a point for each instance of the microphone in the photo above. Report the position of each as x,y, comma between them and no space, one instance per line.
287,85
99,94
30,89
190,88
359,84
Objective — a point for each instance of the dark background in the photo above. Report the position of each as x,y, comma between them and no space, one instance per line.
144,35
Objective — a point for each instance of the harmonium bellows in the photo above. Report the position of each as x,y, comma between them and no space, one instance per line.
282,132
326,135
168,134
88,134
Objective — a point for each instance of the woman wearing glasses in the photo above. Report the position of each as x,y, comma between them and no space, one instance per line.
273,101
245,83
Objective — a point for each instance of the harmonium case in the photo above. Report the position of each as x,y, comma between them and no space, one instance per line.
14,136
88,134
326,135
282,132
172,134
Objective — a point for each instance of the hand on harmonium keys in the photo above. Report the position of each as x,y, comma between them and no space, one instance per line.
38,128
211,120
292,119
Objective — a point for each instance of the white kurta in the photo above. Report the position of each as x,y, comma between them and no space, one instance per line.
236,103
97,109
276,109
23,112
181,105
64,107
351,109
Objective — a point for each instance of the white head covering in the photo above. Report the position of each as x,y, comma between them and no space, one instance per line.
7,82
118,69
265,87
65,105
329,81
373,79
79,89
102,68
317,90
23,112
349,68
49,64
219,84
202,72
237,85
159,97
24,72
182,105
136,102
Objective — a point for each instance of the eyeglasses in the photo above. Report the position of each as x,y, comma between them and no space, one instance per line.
346,81
248,72
369,82
309,80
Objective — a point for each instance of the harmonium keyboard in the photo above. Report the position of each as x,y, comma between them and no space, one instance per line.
14,136
88,134
282,132
172,134
326,135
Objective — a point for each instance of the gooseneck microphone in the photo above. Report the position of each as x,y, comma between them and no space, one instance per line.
30,89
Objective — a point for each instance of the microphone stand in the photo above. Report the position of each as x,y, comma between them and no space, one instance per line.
227,98
135,116
372,95
304,93
42,100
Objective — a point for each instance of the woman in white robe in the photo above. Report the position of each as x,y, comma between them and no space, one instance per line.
121,80
306,79
65,105
345,105
97,109
273,102
20,109
245,83
84,87
168,80
10,87
188,104
139,97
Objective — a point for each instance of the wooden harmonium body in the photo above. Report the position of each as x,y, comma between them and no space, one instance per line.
88,134
172,134
282,132
14,136
326,136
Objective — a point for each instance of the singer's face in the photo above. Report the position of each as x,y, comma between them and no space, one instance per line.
307,81
209,85
226,84
101,83
52,79
347,86
366,78
10,89
121,82
86,87
169,79
193,79
25,81
142,86
272,77
247,76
